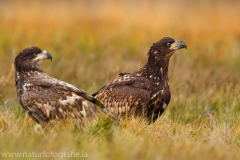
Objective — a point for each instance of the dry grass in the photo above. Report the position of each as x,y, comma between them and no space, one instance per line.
91,42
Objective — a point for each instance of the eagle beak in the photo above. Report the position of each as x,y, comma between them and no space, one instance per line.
178,44
44,55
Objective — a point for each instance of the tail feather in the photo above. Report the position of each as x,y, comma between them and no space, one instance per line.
100,105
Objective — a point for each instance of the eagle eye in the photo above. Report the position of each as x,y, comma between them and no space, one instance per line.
168,44
35,54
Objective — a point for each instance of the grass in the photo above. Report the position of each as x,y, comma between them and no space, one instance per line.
91,42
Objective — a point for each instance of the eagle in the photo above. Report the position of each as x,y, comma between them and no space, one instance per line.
144,92
47,99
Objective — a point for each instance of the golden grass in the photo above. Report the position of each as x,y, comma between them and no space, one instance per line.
91,42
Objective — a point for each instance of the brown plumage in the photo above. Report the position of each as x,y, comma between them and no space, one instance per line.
46,98
145,91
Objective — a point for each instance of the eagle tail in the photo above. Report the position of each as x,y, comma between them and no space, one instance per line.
101,106
106,110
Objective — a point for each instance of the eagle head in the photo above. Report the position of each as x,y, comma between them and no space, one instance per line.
30,59
166,47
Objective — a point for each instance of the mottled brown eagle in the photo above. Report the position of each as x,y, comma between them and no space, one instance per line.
46,98
145,91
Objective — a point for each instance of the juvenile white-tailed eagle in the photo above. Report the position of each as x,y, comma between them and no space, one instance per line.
145,91
46,98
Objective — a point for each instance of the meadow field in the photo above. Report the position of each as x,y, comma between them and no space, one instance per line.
92,41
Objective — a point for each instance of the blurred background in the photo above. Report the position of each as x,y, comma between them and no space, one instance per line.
92,41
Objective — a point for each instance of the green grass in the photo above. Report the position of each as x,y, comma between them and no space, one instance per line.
91,43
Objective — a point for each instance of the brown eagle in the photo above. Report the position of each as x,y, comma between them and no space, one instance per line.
46,98
145,91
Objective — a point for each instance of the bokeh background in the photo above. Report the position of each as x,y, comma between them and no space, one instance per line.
92,41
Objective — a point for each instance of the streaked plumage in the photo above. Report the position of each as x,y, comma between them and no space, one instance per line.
46,98
145,91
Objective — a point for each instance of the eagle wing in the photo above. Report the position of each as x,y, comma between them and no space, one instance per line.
48,98
124,95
